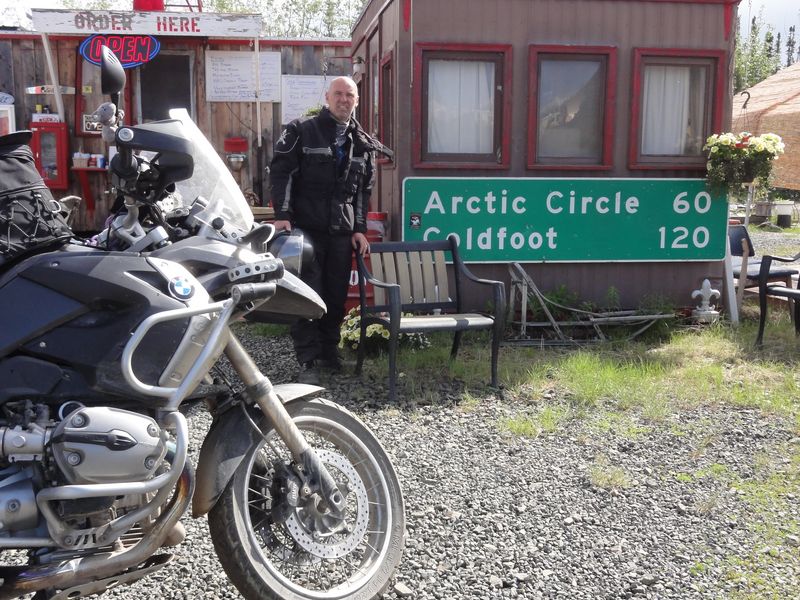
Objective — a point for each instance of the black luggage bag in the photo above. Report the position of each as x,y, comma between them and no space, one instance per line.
30,219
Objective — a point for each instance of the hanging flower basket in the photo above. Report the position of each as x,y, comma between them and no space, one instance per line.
734,160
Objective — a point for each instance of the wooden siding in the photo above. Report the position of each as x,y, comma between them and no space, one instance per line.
622,24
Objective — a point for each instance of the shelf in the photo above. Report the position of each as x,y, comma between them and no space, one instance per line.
86,189
90,169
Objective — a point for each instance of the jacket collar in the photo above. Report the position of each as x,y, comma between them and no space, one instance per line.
328,119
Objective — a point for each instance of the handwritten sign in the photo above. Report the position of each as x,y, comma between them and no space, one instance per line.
300,93
87,22
230,76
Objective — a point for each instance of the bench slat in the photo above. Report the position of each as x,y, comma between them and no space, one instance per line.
441,276
429,277
404,277
415,270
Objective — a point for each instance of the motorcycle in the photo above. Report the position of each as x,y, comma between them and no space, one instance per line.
99,350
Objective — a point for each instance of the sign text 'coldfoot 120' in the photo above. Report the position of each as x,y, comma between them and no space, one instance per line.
568,220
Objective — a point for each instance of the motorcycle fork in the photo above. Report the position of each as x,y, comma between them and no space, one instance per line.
260,389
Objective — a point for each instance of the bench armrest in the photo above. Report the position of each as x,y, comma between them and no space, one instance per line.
498,288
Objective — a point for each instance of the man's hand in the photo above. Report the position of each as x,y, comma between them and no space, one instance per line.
360,243
281,225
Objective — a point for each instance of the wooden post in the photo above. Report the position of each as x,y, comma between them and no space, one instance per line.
748,207
53,77
730,295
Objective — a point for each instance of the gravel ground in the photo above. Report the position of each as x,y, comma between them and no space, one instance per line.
774,241
495,516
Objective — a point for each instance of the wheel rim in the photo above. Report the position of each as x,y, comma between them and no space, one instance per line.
339,562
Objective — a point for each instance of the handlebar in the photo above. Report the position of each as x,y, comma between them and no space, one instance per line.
124,164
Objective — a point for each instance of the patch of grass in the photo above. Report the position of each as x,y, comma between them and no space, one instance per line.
606,476
698,568
469,403
621,424
715,471
523,426
551,418
684,477
547,421
757,574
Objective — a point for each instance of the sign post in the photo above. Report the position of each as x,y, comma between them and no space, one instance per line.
569,220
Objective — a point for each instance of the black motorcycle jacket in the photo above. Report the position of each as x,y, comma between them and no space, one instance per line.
317,185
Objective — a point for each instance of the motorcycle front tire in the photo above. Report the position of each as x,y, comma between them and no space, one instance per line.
291,560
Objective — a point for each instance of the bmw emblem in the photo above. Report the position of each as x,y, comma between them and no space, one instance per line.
181,288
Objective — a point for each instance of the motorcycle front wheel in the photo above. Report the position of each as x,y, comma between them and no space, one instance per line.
311,554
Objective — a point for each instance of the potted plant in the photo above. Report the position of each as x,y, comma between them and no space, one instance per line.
745,158
377,340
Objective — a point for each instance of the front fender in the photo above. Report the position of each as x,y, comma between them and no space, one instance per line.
228,440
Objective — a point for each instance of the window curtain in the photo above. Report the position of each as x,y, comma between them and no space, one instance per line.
461,111
672,110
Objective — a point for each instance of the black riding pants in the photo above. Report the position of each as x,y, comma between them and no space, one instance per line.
329,276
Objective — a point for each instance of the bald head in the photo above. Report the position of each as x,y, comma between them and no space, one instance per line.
342,98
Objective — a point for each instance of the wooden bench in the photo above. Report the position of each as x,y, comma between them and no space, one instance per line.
411,277
767,289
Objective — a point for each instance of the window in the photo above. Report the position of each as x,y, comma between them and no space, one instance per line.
571,107
675,107
462,107
375,75
386,135
7,121
156,98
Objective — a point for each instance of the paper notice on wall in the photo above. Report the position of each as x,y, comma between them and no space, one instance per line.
299,93
230,76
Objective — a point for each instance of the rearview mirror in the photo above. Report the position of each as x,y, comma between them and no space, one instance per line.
112,75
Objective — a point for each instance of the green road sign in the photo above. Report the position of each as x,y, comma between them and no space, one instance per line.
568,220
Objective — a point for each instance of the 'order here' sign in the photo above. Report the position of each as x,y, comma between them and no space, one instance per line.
568,220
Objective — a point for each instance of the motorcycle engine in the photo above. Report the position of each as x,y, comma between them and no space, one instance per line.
107,445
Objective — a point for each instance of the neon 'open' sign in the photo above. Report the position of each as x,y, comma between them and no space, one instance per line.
132,50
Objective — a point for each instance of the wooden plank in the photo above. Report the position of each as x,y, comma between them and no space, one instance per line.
429,277
415,269
378,273
441,276
403,278
7,70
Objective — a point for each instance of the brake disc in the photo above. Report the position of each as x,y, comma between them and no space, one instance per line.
316,532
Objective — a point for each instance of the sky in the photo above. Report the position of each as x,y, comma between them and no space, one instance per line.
781,14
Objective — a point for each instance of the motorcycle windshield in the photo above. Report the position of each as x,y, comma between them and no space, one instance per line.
212,179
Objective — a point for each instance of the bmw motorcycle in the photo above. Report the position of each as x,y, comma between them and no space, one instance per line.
101,348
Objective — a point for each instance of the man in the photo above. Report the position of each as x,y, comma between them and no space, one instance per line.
321,181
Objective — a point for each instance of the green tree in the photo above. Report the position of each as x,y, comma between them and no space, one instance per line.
755,58
790,45
297,18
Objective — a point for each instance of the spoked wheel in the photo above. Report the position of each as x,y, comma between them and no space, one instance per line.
276,542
